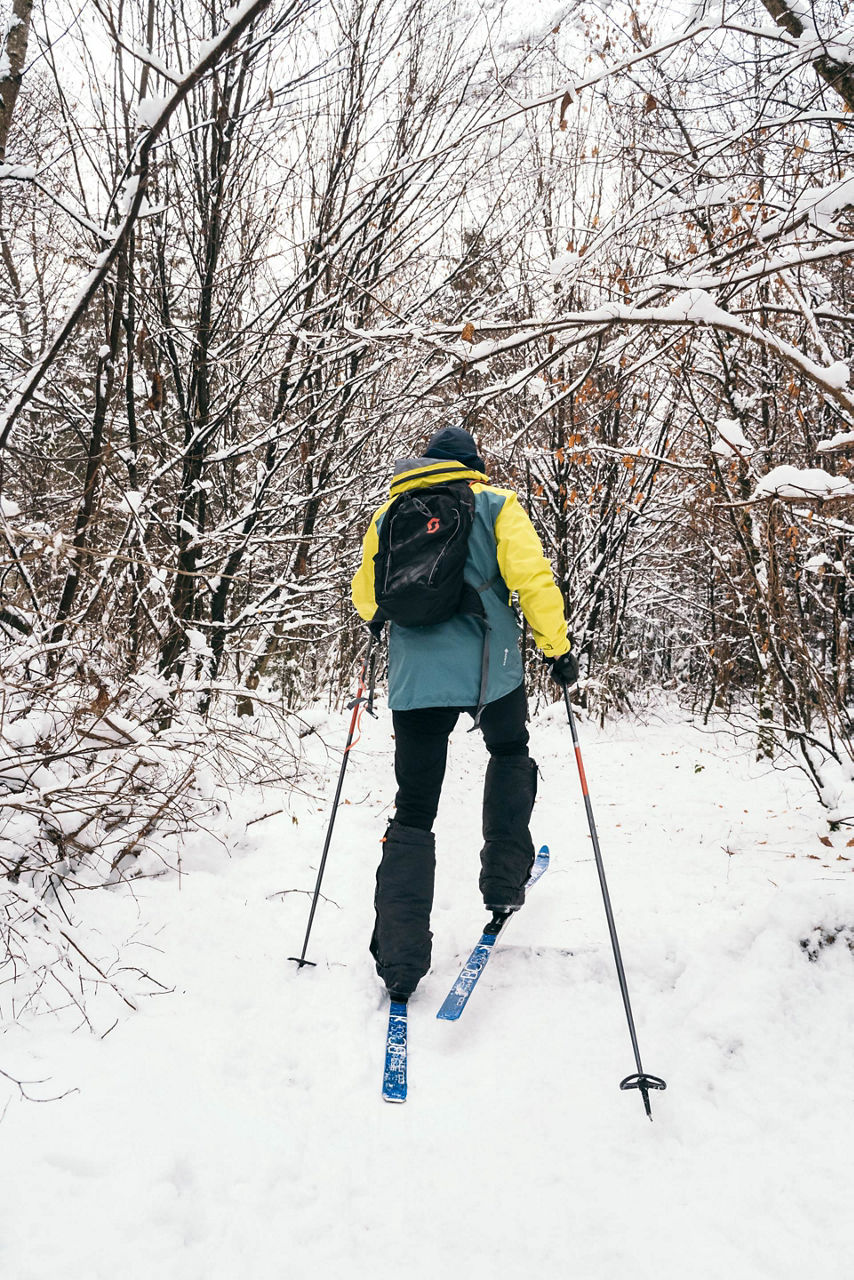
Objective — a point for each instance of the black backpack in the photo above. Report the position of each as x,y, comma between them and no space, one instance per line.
423,545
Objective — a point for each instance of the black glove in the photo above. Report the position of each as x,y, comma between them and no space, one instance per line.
564,670
376,624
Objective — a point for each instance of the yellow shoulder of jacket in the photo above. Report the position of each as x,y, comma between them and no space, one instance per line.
362,586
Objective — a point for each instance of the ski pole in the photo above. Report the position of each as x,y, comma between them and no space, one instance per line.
640,1080
360,701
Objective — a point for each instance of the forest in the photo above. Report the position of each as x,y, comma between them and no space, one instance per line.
252,255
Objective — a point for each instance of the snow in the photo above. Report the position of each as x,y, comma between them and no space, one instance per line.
149,56
481,350
235,13
131,501
731,439
797,482
562,264
234,1126
841,440
196,641
9,509
129,190
821,206
697,307
825,203
150,108
205,47
533,21
837,375
22,172
788,256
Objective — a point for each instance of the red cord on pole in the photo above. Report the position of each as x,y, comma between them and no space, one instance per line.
581,773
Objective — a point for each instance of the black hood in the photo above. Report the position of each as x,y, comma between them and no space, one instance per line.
455,443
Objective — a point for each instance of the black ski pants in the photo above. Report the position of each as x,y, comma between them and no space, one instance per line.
401,941
421,750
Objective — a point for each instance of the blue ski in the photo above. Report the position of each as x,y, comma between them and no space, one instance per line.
457,997
394,1075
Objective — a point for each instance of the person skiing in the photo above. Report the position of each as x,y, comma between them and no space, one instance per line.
469,662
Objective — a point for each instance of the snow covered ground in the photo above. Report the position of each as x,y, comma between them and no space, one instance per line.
234,1128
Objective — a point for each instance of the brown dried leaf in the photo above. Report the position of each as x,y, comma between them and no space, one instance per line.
101,700
155,400
826,840
467,334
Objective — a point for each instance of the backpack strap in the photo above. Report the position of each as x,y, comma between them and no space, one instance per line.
479,612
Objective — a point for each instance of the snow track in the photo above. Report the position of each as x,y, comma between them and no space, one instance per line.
235,1128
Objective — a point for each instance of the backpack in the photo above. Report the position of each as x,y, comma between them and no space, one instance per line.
423,545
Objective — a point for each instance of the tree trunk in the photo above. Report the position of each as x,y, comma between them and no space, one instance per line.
16,52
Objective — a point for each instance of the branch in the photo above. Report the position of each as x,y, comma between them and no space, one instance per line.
21,1086
691,307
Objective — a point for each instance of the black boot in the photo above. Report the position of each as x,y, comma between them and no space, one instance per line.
401,941
508,851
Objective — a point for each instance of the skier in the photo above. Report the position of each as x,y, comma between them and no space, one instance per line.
470,662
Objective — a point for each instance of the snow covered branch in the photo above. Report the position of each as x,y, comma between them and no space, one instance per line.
832,58
795,483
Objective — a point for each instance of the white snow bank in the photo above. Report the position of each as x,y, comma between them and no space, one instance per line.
236,1120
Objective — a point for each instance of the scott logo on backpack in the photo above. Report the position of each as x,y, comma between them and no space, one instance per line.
433,525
